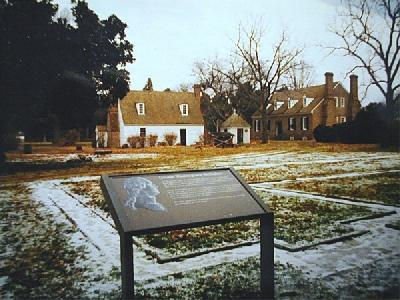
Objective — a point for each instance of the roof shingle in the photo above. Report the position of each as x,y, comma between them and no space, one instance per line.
161,108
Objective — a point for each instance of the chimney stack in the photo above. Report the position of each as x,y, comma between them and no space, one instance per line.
329,105
354,105
328,84
197,91
354,87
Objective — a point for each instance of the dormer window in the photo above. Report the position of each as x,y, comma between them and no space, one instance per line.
184,108
292,102
307,101
140,108
277,105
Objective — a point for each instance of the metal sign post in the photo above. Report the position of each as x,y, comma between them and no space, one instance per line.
160,202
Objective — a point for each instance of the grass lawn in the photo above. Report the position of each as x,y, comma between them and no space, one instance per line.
382,188
168,158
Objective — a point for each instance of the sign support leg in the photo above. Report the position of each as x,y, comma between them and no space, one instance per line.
267,255
126,247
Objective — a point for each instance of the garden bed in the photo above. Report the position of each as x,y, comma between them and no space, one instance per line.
294,171
377,188
299,223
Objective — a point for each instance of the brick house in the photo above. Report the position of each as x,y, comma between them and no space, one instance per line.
294,114
144,113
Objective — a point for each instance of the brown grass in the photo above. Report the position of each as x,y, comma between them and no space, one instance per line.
175,157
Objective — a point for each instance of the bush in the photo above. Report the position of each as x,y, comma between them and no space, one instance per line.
134,140
170,138
153,139
371,125
325,134
70,138
8,142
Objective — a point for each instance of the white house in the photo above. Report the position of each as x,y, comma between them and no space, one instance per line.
236,125
145,113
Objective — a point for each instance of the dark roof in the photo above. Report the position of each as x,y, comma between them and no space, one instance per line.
161,108
234,120
317,92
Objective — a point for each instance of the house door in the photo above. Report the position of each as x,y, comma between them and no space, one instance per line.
183,137
278,128
240,135
142,140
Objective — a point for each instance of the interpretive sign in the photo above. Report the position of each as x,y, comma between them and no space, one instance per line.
159,202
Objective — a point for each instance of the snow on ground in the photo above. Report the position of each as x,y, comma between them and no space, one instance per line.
338,263
328,261
276,159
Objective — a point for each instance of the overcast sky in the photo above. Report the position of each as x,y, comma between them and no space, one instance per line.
170,35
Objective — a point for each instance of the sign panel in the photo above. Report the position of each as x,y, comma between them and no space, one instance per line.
147,202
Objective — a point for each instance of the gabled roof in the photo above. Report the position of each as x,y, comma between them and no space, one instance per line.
234,120
317,92
161,108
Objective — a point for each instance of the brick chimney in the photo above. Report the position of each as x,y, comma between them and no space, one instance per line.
329,106
197,91
353,104
328,84
113,127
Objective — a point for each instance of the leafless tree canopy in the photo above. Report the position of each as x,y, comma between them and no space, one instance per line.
300,75
370,32
250,64
265,70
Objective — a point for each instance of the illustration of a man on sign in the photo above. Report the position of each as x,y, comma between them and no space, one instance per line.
142,193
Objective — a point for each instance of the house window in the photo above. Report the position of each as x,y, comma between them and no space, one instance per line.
140,108
277,105
342,119
337,119
307,101
268,124
184,108
256,125
337,101
341,101
225,130
304,123
292,123
292,102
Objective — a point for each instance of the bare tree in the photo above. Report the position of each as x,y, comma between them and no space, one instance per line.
370,32
215,101
266,71
300,75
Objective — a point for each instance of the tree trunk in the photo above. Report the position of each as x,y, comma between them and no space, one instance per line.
264,136
390,104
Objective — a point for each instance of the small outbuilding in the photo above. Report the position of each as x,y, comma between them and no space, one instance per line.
237,126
